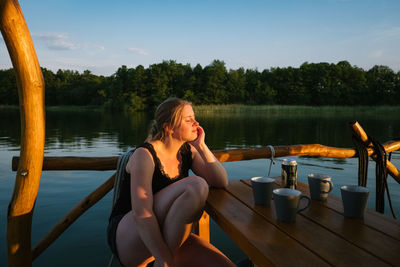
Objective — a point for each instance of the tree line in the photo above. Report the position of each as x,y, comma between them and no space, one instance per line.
142,88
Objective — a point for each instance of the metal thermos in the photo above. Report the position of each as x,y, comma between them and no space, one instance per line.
292,175
289,174
284,172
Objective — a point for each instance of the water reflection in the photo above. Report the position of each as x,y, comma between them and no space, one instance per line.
83,128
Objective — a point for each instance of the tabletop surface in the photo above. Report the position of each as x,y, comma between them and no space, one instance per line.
320,236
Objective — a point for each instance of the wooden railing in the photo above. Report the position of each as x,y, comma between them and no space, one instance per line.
110,163
317,150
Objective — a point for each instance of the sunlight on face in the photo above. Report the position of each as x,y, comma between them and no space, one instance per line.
187,129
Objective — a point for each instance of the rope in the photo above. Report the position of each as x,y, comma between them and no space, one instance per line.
271,148
380,171
381,174
362,161
388,193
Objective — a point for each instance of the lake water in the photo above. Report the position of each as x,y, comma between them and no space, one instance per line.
94,133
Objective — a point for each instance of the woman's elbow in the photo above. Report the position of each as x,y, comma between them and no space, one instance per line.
221,182
224,184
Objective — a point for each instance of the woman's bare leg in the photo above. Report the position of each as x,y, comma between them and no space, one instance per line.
196,252
176,207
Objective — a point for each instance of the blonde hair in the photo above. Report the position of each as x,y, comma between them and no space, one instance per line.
168,112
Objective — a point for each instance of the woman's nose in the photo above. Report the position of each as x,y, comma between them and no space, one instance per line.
195,123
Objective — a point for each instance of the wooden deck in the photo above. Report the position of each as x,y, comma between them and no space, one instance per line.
320,236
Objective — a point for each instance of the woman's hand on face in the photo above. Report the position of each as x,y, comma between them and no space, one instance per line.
201,135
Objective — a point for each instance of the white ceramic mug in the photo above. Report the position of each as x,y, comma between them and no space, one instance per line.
287,203
320,186
262,190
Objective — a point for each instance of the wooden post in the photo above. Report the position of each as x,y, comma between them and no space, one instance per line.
202,227
31,100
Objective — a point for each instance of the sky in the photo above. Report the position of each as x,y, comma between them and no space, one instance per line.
101,36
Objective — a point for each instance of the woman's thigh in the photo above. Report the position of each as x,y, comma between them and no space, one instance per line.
131,249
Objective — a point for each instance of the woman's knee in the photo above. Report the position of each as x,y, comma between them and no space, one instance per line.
197,188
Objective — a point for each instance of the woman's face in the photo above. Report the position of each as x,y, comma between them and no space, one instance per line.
187,129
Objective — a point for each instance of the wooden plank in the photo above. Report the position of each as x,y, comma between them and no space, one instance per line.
263,242
310,234
355,231
372,219
381,243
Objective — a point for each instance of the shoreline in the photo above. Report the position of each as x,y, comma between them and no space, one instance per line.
242,108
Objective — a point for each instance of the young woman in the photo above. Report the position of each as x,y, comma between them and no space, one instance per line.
151,221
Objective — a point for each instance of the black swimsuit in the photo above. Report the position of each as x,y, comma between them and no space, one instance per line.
160,180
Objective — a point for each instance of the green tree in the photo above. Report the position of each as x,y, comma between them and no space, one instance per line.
351,84
289,86
8,87
215,80
381,83
236,85
157,85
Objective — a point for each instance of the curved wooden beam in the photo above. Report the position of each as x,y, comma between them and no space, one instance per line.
357,130
31,100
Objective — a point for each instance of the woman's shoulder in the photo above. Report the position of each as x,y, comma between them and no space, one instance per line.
141,156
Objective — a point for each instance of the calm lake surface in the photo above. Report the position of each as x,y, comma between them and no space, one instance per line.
96,133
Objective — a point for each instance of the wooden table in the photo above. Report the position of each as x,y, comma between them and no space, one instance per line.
320,236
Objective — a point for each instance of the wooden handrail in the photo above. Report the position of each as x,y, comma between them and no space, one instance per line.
30,85
75,163
110,163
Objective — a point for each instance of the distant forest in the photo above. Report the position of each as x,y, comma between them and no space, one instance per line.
142,88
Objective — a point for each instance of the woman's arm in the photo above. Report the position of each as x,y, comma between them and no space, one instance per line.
205,164
141,168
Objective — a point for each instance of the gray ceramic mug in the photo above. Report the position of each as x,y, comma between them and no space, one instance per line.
355,199
262,190
320,186
287,203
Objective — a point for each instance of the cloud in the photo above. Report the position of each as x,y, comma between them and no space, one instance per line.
388,35
138,51
56,41
377,54
99,47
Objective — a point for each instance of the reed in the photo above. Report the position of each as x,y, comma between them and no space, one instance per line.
74,108
233,109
